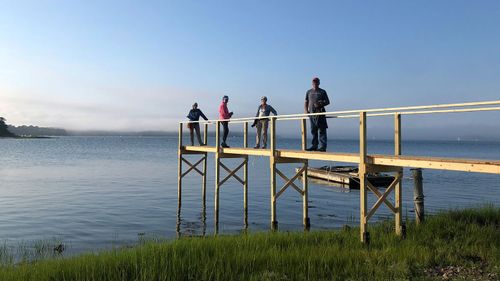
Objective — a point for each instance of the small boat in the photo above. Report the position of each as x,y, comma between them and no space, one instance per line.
347,176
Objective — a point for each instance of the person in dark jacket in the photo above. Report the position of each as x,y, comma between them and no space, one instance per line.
316,100
194,115
264,109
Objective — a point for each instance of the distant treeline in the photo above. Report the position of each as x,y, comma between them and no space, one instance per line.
4,129
36,131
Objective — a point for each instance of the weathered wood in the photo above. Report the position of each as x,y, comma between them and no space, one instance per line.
418,195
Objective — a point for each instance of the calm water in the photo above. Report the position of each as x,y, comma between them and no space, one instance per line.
97,192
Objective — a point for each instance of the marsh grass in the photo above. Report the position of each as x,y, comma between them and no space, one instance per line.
459,238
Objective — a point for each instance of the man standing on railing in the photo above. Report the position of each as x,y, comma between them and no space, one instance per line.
316,100
224,114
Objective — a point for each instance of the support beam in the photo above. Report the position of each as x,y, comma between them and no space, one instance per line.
179,171
217,175
204,179
272,166
383,198
289,182
398,189
362,179
245,177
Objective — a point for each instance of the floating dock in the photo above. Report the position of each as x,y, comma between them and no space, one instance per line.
347,176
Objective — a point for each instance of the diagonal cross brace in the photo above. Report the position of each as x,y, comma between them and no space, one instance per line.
192,167
290,182
232,173
382,198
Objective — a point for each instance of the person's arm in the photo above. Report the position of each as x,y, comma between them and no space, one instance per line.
326,101
306,104
273,110
203,115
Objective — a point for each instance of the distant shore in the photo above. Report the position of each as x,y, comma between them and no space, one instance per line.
453,245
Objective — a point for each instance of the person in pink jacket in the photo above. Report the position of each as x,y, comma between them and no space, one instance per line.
224,114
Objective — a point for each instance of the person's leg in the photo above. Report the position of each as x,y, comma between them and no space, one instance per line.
191,134
322,138
314,132
265,124
197,129
225,126
259,130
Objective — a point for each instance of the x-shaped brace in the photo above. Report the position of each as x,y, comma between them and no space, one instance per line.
382,198
290,182
232,173
192,167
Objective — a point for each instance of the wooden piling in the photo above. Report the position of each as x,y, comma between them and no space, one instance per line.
418,195
305,182
398,188
363,223
204,176
272,165
217,174
245,176
179,174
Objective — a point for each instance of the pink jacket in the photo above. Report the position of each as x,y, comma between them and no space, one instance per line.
223,111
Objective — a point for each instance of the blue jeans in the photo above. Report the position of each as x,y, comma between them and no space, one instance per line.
318,125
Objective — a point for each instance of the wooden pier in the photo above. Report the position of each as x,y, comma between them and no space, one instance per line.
367,163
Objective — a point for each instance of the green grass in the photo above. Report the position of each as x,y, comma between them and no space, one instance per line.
467,238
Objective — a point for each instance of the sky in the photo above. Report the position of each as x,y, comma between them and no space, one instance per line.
140,65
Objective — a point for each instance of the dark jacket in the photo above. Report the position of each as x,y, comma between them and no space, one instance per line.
267,112
194,115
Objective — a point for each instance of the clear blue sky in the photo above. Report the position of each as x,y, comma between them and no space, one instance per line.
117,64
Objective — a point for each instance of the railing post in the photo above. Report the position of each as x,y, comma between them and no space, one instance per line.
305,183
217,174
418,195
303,126
272,162
179,174
245,176
365,236
398,187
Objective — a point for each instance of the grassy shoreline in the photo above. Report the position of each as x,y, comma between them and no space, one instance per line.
467,241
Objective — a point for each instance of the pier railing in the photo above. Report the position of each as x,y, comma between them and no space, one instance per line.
393,163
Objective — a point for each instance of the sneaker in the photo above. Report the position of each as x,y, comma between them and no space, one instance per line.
264,147
203,144
224,145
322,149
256,147
311,148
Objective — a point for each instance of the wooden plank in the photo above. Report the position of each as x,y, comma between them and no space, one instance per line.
203,149
272,166
450,164
316,155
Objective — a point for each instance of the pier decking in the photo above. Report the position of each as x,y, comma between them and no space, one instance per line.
367,163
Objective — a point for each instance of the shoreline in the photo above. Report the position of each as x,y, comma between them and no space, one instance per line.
457,243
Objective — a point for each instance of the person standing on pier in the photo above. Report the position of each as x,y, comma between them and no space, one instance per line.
224,114
264,109
194,115
316,100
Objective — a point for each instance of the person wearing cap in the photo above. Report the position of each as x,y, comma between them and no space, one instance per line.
316,100
194,115
263,110
224,114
